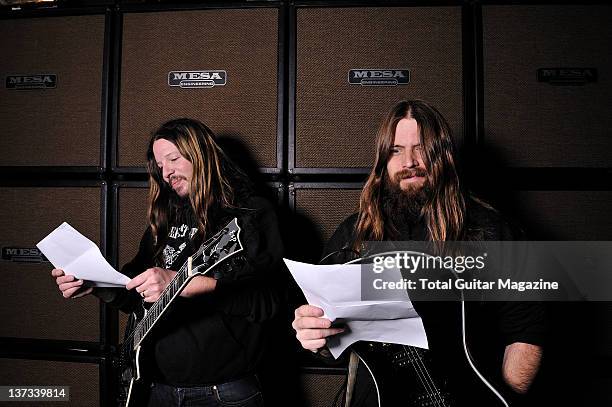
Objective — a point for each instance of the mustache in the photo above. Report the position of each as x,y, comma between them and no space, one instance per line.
406,173
173,178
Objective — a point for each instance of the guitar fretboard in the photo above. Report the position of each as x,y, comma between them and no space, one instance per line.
160,305
208,254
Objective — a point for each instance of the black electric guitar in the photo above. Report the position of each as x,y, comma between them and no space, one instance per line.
447,376
415,377
216,250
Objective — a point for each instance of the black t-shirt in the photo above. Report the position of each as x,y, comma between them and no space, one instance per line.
491,326
217,337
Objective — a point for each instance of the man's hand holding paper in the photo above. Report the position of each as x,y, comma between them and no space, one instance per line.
334,292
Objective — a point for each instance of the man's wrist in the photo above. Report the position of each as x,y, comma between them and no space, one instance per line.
199,285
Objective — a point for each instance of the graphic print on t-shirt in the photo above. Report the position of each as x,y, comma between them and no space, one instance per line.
177,241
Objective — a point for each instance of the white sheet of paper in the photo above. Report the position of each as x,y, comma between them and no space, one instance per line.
72,252
337,290
406,331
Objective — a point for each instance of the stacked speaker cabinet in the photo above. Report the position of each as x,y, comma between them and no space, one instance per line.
547,92
82,380
219,66
352,64
321,387
33,306
547,85
296,90
53,111
34,313
325,204
130,222
52,96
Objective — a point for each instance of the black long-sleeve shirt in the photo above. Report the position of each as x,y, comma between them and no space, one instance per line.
492,325
220,336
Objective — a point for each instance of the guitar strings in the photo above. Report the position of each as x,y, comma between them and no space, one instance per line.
154,306
426,381
430,387
421,378
128,341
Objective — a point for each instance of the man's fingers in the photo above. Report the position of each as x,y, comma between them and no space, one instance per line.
136,281
308,311
312,334
149,288
310,323
151,298
64,279
68,293
67,286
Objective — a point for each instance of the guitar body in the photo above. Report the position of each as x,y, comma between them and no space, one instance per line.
134,386
136,389
445,376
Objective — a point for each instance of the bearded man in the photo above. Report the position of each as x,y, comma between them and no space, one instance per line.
414,192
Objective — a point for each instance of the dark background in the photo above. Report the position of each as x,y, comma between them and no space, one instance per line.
539,152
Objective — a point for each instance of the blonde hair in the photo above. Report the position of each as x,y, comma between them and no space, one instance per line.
210,185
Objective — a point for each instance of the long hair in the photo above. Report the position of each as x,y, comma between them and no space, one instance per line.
213,185
444,212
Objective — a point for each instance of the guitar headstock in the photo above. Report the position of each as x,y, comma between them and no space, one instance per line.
223,244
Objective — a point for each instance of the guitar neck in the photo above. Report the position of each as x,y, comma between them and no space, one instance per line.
175,287
212,252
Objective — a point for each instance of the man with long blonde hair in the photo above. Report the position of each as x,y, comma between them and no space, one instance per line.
415,192
208,348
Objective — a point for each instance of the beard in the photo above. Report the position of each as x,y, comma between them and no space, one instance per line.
175,200
404,206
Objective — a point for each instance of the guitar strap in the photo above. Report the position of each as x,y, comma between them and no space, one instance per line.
352,375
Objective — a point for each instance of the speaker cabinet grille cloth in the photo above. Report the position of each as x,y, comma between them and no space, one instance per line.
132,224
155,44
327,208
32,306
336,122
132,221
82,378
530,123
319,390
57,126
